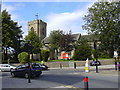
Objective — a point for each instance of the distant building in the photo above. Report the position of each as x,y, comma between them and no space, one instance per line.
39,27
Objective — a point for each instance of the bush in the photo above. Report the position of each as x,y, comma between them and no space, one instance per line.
104,55
23,57
45,55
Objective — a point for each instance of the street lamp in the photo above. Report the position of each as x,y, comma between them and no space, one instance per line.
96,55
28,48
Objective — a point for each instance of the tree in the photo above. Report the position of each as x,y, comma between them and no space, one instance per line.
23,57
55,41
66,43
35,42
11,34
103,19
45,54
83,50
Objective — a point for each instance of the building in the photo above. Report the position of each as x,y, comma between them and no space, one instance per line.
39,27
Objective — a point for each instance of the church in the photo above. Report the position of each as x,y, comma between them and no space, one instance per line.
40,27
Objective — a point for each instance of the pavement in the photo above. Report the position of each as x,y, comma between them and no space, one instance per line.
103,69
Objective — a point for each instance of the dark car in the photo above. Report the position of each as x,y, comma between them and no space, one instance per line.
94,63
43,66
24,70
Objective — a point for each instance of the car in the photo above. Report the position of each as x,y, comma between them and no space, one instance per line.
25,69
7,67
93,63
43,66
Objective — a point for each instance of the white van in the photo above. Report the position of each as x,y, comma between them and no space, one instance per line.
7,67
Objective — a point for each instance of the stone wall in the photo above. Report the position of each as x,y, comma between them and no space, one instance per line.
78,63
71,63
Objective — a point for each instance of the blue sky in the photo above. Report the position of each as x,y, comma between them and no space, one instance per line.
58,15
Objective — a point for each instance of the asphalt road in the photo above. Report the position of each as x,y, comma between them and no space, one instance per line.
61,78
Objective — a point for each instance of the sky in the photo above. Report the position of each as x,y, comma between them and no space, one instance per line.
58,15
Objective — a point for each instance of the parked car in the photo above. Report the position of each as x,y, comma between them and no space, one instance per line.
94,63
43,66
23,70
7,67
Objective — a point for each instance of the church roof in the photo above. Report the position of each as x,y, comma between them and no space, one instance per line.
76,37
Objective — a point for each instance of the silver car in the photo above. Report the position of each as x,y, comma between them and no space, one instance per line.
7,67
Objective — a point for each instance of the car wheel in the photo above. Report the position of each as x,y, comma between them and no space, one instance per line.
26,75
12,74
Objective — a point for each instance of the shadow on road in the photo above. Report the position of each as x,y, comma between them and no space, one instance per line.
63,79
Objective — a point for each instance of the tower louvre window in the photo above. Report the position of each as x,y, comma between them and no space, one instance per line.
32,29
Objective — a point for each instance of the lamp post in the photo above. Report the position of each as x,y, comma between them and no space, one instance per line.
28,48
96,55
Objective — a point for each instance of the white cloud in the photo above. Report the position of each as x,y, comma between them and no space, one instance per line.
67,21
64,21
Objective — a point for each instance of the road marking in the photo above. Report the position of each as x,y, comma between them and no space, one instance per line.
75,73
69,86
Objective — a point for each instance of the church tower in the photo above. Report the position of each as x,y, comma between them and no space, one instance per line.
39,27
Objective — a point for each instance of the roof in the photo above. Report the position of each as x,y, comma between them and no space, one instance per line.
91,37
46,40
76,37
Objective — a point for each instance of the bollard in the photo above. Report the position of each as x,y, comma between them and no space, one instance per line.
86,66
119,66
60,65
115,65
86,83
74,65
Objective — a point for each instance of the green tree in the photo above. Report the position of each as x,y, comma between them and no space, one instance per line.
55,41
35,42
11,34
66,43
103,19
45,55
23,57
83,50
61,41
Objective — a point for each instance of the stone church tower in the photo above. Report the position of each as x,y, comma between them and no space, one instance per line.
39,27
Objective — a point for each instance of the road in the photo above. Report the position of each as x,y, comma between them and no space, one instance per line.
62,78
